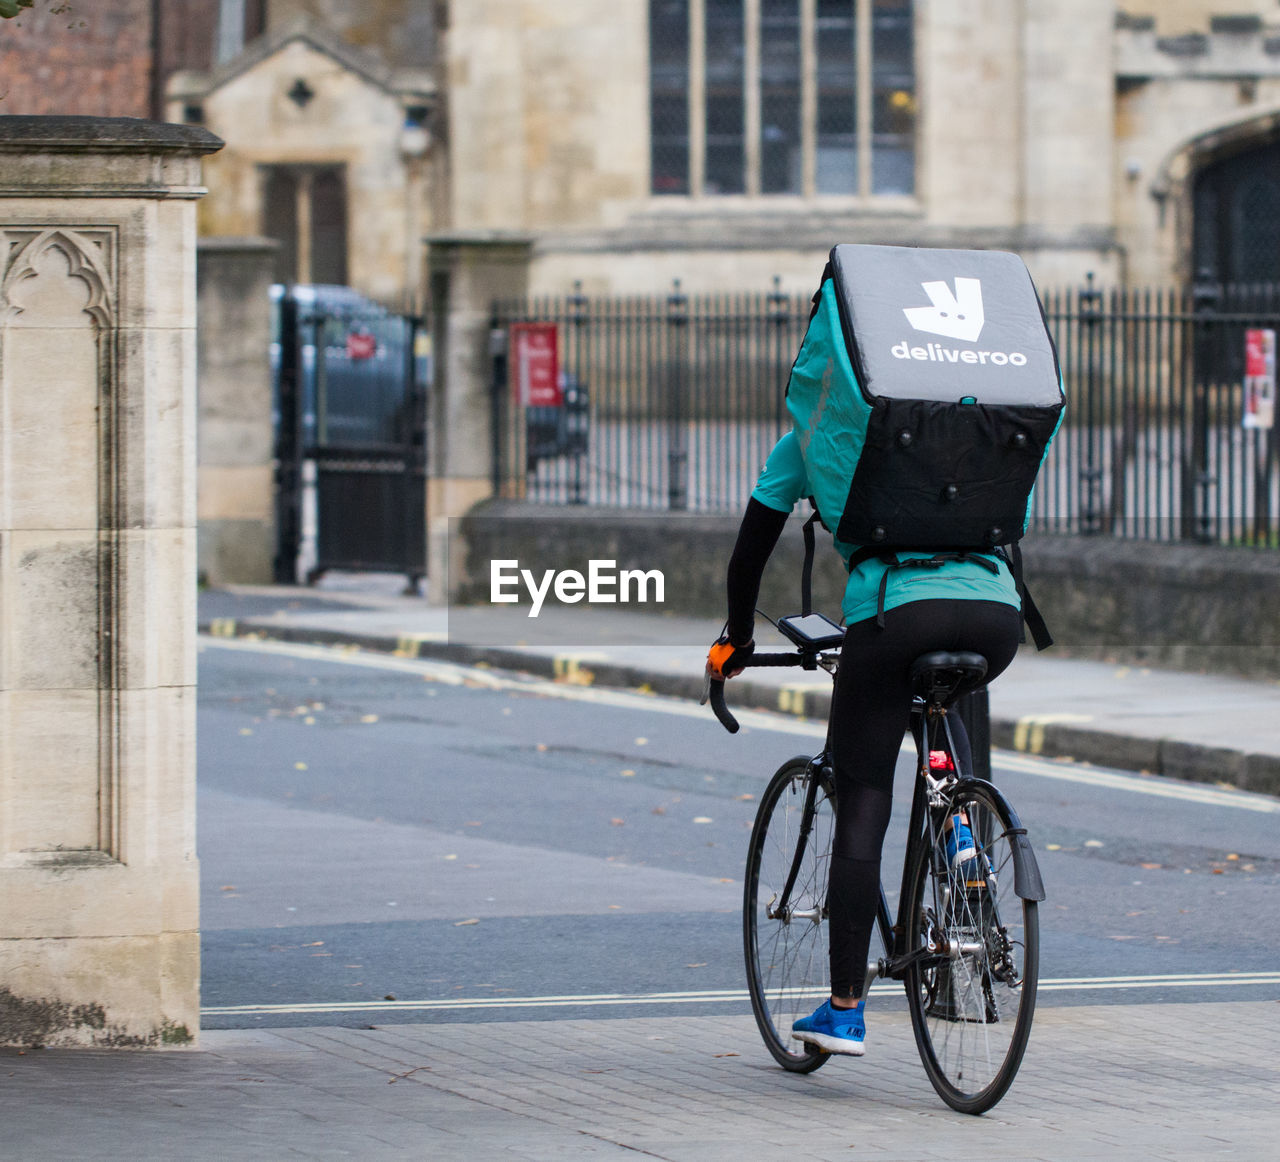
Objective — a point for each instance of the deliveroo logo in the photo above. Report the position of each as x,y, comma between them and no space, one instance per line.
957,315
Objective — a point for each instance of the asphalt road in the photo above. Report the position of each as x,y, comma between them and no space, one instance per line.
386,840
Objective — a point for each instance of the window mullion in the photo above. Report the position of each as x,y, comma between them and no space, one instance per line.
697,96
864,96
808,98
751,94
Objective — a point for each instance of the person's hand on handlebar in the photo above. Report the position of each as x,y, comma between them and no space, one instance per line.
725,660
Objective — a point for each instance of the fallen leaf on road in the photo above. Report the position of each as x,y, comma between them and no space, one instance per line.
627,774
725,880
1233,856
451,857
702,819
245,730
616,822
642,742
700,964
1150,866
540,746
314,944
369,718
410,1072
659,810
726,1055
465,923
745,798
228,887
1053,847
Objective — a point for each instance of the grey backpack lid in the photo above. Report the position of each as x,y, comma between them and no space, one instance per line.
945,325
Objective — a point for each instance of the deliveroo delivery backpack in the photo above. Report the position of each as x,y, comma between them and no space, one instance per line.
925,395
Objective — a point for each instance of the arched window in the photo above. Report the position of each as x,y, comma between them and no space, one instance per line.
1237,217
800,97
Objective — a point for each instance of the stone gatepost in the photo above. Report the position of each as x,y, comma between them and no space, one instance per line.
237,495
466,274
99,940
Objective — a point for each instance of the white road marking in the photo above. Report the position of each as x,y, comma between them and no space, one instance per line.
1140,784
1205,980
454,674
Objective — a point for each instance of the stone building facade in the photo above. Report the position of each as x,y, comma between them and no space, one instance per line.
718,141
1075,133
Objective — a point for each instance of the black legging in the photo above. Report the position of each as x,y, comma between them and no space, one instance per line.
870,713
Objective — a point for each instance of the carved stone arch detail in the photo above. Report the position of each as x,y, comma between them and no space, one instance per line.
86,261
1175,178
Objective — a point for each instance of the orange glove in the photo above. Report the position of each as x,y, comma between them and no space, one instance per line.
725,660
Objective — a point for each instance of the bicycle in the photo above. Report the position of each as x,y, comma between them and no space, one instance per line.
966,939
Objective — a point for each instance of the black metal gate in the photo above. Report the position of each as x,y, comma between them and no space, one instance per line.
350,436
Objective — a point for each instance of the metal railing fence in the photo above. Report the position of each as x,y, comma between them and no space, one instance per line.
675,401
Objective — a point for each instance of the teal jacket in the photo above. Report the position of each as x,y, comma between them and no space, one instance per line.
783,482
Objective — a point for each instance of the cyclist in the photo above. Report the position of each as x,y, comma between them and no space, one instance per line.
895,609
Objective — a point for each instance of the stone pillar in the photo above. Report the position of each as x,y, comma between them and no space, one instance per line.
466,274
99,940
1068,119
236,490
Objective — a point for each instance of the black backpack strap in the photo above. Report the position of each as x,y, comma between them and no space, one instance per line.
893,561
806,574
1031,615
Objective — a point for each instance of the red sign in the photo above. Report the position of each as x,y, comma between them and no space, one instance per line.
535,365
1255,351
361,345
1260,378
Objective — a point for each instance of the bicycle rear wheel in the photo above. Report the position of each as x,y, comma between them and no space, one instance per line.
973,998
786,949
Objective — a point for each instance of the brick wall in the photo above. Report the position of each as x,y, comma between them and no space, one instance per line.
94,59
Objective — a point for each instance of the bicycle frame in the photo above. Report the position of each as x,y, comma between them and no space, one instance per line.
929,725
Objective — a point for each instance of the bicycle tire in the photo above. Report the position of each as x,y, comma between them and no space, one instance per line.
971,1012
786,956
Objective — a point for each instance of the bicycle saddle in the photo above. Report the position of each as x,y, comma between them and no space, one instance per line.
943,676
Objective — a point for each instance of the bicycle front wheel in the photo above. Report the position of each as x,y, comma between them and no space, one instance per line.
972,993
786,940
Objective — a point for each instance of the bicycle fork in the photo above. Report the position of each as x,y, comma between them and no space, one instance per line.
780,909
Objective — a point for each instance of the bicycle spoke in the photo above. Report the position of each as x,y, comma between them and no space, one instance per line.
971,1005
787,953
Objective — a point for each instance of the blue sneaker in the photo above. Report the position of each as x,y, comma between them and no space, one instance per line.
960,845
833,1030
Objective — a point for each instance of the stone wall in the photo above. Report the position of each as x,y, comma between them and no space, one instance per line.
236,486
1183,102
548,116
351,113
1179,606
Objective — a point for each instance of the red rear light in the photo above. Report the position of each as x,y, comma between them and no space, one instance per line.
940,760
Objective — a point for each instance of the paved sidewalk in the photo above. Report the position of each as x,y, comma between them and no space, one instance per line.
1123,1083
1207,728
